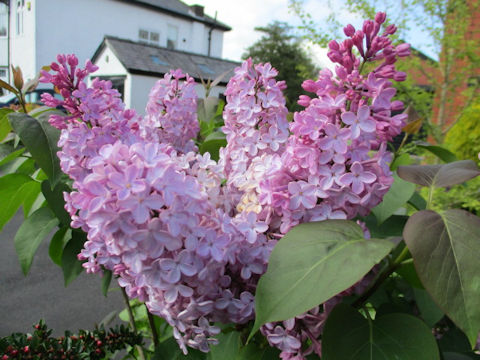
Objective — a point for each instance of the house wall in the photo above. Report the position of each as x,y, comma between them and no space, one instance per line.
22,47
4,43
70,26
108,64
138,87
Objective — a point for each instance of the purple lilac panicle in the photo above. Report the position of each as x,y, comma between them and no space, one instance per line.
158,214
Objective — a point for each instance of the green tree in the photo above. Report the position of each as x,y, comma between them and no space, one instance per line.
284,51
464,138
454,38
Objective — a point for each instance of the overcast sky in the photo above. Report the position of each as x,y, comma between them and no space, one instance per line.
244,15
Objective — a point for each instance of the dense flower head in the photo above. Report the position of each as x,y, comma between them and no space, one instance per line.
172,111
191,236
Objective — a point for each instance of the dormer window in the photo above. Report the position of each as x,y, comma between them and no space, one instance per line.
154,37
147,36
143,35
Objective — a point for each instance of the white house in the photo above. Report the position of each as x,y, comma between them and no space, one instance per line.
33,32
134,67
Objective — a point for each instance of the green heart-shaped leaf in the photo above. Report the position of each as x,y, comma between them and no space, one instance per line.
312,263
445,250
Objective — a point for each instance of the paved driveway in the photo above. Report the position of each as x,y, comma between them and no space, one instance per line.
42,295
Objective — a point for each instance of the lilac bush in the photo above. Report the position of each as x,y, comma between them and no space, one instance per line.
190,236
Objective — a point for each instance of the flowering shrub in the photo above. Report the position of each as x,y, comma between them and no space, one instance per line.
264,233
156,212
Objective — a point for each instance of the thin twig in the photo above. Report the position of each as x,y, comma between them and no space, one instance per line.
131,320
384,276
151,322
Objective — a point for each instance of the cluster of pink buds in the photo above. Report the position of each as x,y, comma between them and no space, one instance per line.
190,236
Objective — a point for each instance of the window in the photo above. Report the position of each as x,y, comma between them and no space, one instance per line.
3,20
143,35
3,73
152,37
172,37
19,17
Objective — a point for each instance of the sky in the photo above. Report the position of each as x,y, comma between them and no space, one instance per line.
244,15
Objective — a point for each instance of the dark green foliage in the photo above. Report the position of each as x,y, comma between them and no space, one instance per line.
93,345
285,52
391,336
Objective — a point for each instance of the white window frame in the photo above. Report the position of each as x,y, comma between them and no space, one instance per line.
19,17
4,14
149,34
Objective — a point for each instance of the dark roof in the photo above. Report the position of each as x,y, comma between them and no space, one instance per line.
145,59
178,8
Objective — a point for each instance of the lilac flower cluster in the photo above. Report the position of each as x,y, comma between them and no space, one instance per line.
335,164
172,111
190,236
256,127
154,214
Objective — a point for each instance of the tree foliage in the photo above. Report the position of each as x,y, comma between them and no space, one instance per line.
284,51
464,138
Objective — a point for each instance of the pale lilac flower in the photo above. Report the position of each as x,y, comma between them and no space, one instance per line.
357,178
303,193
250,227
336,139
359,122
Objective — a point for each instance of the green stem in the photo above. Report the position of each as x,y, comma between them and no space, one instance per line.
131,320
402,143
361,66
430,198
21,100
379,281
151,322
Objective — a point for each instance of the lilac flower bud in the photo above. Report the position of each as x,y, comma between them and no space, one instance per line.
347,62
380,17
368,27
386,71
348,44
349,30
397,105
304,100
72,60
388,50
333,45
358,41
309,85
390,59
390,30
335,56
400,76
403,50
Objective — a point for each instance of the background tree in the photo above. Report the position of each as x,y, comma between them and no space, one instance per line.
284,51
453,28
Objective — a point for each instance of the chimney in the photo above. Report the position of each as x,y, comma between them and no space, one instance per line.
197,9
